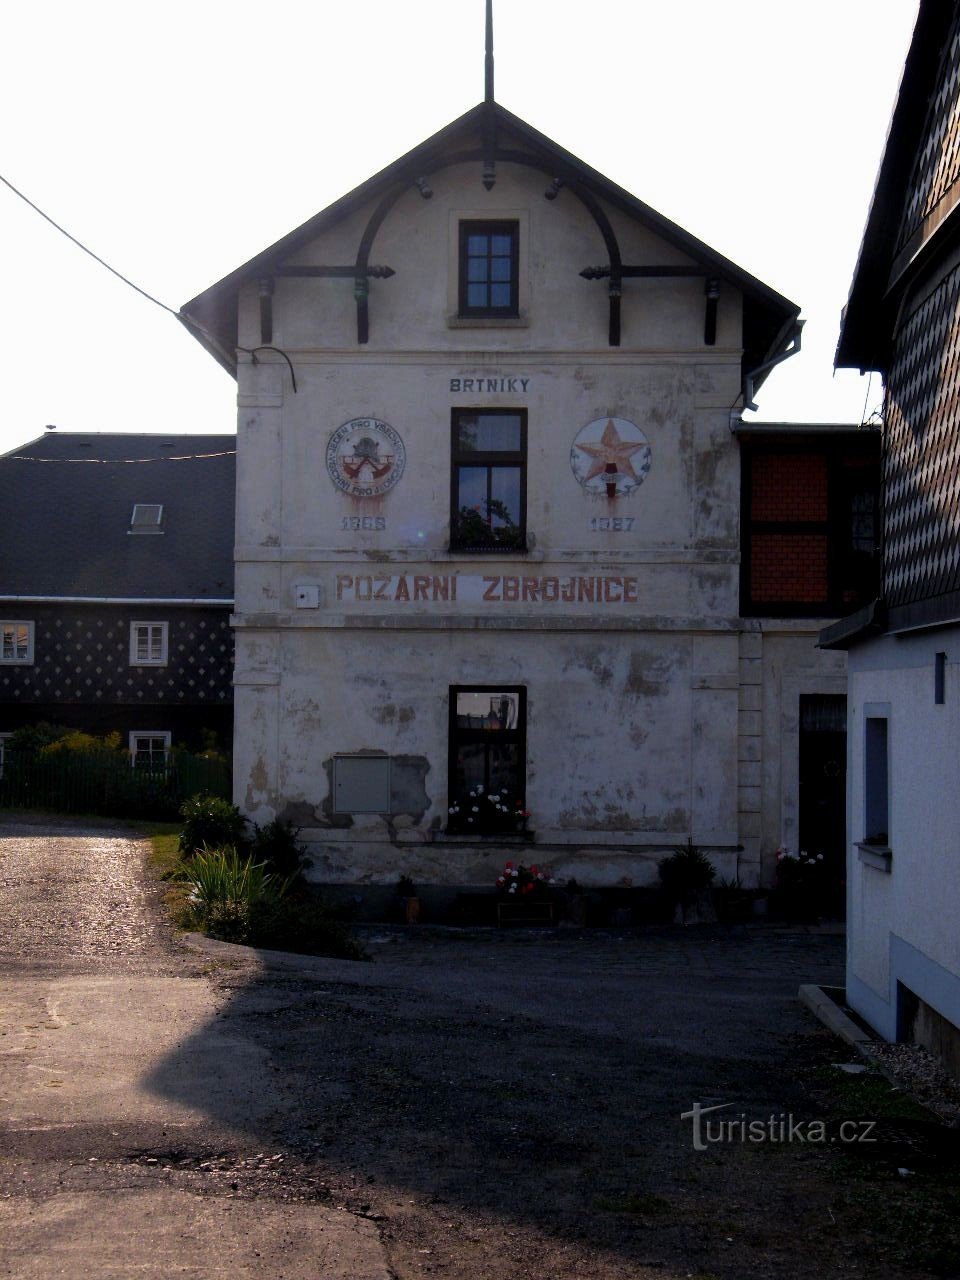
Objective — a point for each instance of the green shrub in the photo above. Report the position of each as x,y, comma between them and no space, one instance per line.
276,845
210,821
304,927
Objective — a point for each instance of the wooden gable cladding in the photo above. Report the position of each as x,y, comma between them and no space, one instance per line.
932,190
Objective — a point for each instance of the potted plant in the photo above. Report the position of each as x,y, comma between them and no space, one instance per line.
686,876
410,902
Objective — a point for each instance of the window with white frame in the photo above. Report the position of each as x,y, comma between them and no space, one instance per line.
148,644
149,748
146,517
16,642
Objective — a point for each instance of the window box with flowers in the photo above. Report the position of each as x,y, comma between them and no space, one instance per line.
482,813
524,896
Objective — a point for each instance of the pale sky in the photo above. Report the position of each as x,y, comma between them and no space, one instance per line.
177,140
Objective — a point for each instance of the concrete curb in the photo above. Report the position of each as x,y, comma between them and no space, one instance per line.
822,1006
284,960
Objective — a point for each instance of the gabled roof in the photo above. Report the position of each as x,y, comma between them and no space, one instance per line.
66,501
768,316
870,314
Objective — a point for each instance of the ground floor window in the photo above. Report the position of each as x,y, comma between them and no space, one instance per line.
487,758
149,748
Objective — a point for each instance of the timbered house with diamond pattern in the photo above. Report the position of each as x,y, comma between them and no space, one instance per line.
903,319
116,585
488,529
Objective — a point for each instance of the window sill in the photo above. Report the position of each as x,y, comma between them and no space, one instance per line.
486,551
482,837
488,322
878,856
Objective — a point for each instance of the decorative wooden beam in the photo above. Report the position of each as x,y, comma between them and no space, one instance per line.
601,273
377,273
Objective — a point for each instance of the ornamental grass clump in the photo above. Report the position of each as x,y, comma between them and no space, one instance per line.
686,875
224,888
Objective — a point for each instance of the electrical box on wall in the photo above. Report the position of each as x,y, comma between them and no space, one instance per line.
361,784
307,595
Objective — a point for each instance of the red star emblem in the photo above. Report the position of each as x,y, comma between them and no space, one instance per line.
612,452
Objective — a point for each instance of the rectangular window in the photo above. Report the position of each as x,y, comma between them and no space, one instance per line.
147,517
488,751
488,482
876,791
16,642
148,644
489,269
148,749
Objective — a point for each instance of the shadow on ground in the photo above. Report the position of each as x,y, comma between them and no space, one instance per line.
511,1106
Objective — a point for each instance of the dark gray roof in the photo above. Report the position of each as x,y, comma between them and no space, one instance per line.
65,506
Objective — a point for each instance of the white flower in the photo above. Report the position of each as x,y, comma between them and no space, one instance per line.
475,809
494,799
452,809
479,789
819,857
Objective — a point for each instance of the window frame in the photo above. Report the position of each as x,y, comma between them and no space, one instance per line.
489,227
14,660
457,736
490,459
160,661
143,526
165,734
876,776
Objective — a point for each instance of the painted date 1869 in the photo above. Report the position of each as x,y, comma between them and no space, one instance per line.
614,524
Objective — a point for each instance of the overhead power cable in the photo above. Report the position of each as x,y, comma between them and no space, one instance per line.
179,315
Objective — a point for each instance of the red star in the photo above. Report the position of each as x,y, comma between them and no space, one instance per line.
611,451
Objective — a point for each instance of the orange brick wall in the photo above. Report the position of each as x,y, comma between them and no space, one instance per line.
788,566
789,486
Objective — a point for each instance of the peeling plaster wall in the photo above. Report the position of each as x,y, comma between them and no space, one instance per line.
642,728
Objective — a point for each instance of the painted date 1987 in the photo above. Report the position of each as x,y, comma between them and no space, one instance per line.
363,522
615,524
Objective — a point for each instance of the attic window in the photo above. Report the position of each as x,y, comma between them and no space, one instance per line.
147,517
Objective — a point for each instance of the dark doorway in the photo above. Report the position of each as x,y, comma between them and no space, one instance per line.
823,792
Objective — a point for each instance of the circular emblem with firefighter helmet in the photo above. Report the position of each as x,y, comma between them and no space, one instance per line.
365,457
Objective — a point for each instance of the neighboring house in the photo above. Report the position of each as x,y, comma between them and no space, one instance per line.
903,961
490,535
116,587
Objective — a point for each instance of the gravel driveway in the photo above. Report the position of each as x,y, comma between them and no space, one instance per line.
486,1105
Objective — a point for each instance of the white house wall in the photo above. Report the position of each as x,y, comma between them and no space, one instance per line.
650,717
898,931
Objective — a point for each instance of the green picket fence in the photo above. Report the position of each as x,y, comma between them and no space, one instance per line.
109,785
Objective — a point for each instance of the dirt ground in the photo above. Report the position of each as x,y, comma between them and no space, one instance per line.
492,1105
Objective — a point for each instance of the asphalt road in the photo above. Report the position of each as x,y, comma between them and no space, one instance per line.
486,1105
